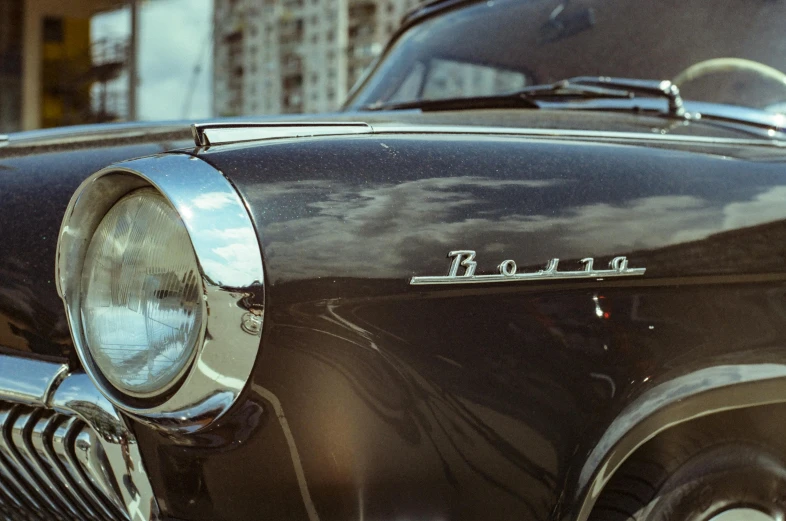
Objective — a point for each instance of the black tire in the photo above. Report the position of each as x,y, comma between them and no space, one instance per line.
695,482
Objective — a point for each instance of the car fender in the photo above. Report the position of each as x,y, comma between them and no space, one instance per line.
681,399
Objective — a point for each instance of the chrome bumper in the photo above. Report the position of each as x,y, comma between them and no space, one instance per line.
65,451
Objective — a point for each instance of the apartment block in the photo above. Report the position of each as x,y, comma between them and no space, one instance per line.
291,56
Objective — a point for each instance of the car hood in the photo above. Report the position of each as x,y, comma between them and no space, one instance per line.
40,170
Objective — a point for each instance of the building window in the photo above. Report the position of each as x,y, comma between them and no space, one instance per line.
293,82
53,29
10,65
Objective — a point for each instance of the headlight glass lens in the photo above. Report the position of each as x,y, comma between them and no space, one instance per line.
141,295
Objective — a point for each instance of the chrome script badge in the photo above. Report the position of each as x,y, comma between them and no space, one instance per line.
465,260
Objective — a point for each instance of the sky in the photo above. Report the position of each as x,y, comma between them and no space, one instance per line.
174,38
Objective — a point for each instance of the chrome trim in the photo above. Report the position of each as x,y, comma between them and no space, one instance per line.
25,380
227,133
48,433
685,398
79,397
230,261
207,134
4,138
22,441
744,512
508,271
97,132
72,456
24,481
62,437
386,128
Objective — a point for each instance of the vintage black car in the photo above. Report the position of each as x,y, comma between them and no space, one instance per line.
536,269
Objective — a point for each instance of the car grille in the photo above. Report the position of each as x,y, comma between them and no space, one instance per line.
52,466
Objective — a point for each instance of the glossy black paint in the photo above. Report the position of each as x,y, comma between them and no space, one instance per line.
36,184
380,400
39,170
469,402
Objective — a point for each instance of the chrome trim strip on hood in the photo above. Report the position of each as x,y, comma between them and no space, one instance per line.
213,134
206,134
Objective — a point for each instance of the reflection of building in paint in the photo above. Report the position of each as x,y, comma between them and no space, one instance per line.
48,64
449,78
287,56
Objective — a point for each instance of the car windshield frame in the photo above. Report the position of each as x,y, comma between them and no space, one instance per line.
412,19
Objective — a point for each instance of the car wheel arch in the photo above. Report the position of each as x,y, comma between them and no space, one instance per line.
663,408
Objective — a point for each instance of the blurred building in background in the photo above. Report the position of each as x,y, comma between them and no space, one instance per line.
290,56
49,66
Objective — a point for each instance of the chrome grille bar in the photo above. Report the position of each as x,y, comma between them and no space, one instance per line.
8,495
57,470
66,459
21,436
65,452
26,485
45,438
93,463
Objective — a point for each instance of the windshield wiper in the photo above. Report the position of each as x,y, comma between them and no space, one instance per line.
599,88
653,88
499,101
766,125
581,87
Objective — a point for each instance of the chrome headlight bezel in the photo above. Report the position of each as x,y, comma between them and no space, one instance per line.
230,264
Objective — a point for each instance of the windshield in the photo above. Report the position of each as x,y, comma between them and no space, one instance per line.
716,51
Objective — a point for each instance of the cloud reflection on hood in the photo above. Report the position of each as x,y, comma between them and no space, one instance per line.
393,230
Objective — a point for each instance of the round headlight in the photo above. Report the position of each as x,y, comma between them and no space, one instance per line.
145,249
142,306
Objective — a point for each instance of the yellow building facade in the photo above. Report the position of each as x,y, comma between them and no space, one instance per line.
45,62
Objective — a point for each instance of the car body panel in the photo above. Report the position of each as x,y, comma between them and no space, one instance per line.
46,166
470,401
375,398
36,185
369,396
